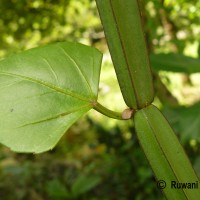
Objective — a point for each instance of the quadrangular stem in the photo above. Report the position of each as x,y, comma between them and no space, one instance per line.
125,37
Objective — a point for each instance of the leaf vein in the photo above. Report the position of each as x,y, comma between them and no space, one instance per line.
79,70
13,83
56,116
52,70
57,89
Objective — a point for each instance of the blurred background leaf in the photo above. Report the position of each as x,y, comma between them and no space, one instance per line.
175,63
84,183
186,121
56,190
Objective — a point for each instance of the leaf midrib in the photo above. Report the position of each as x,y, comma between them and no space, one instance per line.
57,89
161,148
125,55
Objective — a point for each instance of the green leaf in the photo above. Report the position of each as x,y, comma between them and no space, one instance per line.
84,184
43,91
165,153
175,63
197,165
185,121
57,190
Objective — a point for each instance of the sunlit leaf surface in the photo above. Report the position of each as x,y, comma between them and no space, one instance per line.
43,91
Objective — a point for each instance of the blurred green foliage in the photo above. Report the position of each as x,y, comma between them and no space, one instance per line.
25,24
89,163
100,158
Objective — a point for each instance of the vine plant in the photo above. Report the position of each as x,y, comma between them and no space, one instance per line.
43,91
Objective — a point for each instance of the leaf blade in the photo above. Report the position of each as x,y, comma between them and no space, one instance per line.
165,153
175,62
42,95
